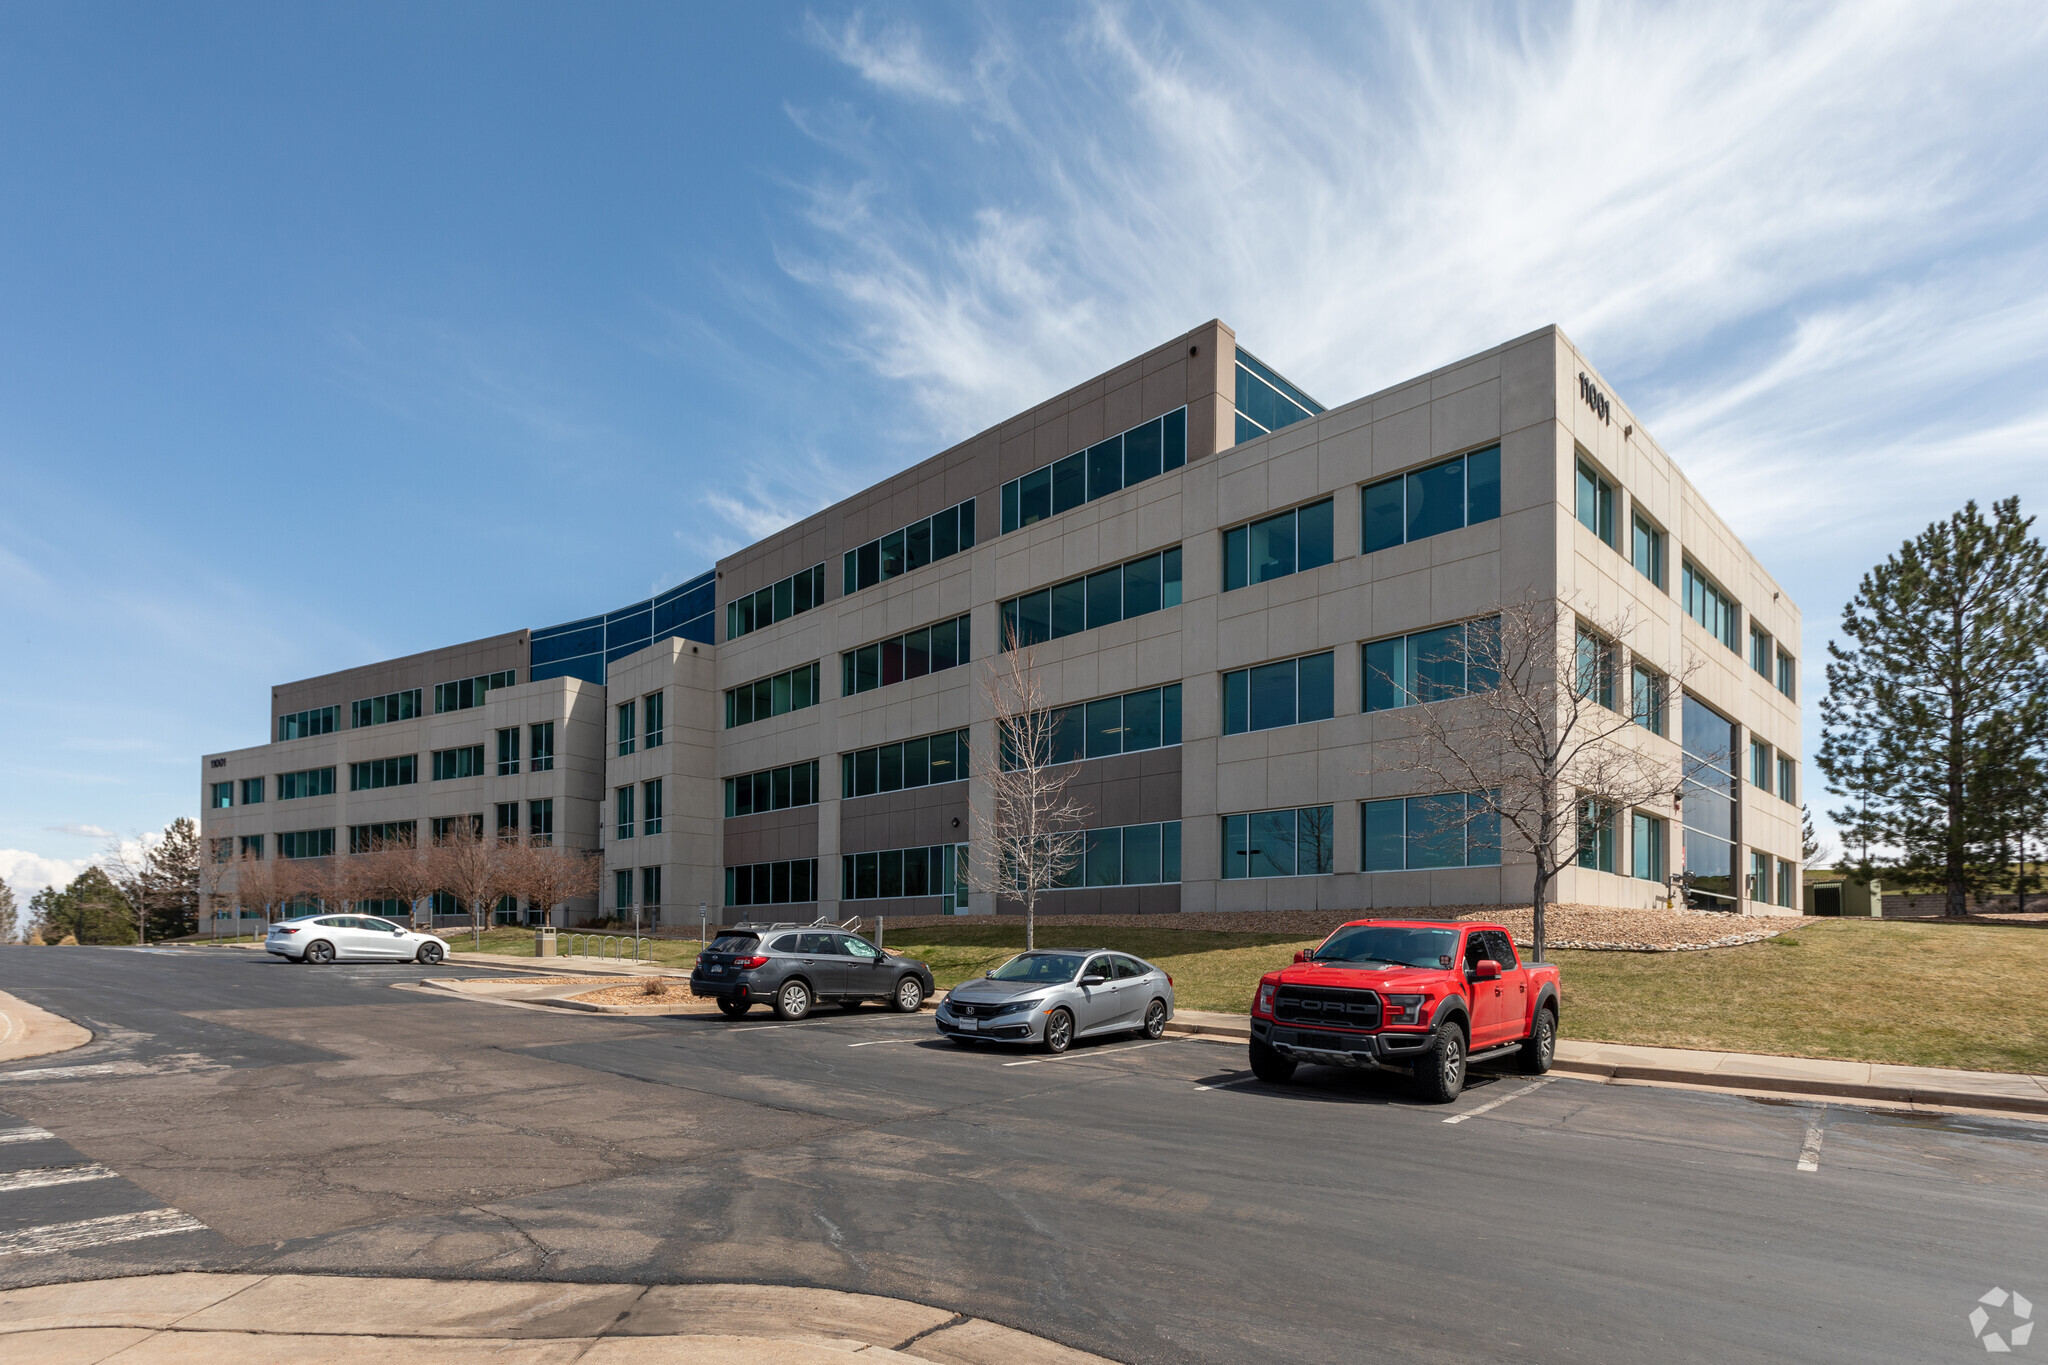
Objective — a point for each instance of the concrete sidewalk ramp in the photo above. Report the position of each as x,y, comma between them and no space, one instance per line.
233,1319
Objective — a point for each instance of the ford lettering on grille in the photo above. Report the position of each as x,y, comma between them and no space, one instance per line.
1327,1007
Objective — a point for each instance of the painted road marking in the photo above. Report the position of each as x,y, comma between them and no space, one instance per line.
1083,1056
8,1135
60,1073
93,1232
1809,1155
882,1041
1495,1104
38,1177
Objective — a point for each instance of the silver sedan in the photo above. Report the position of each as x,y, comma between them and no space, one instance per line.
1053,996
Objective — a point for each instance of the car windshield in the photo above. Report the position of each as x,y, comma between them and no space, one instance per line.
733,943
1370,945
1050,968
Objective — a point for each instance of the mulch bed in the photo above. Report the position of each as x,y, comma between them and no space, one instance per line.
1601,928
673,992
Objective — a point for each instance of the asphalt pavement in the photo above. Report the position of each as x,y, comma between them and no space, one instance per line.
1145,1201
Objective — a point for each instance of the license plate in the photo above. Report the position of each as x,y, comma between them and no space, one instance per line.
969,1026
714,971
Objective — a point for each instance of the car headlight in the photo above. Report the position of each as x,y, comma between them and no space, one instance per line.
1404,1009
1018,1007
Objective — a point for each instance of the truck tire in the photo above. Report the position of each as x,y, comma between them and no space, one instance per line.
1541,1045
1270,1066
1440,1072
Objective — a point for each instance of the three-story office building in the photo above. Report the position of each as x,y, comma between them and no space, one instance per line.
1230,592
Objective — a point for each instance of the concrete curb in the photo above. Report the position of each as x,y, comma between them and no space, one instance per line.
27,1031
229,1319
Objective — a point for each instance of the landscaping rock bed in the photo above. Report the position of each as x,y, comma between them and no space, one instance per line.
1599,928
674,991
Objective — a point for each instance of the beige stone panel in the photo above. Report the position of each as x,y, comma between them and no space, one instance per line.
1465,419
1529,387
1402,397
1291,620
1400,439
1243,638
1294,473
1402,604
1243,484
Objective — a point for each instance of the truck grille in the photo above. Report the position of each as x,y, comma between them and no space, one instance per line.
1327,1007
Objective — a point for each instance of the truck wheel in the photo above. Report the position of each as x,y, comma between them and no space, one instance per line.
1541,1045
1269,1065
1440,1072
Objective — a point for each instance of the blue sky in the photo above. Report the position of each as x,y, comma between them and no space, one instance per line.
333,333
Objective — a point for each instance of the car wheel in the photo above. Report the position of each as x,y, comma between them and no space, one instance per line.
733,1009
909,997
1540,1047
1440,1071
1269,1065
431,953
1059,1031
793,1001
1155,1019
320,951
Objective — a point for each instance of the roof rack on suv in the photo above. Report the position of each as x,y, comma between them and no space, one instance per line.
851,925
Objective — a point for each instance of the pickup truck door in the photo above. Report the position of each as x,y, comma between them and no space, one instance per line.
1489,1000
1513,995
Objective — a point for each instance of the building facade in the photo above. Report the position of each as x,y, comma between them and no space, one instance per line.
1230,592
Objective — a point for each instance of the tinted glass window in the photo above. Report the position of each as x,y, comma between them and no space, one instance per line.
1501,949
785,944
1127,968
1436,499
859,947
734,943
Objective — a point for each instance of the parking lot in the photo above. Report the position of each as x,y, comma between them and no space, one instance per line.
1149,1201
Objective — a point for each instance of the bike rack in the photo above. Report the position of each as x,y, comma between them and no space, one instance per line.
617,947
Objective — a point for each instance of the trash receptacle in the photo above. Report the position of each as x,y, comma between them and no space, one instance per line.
544,942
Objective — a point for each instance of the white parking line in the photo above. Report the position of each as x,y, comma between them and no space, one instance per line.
59,1073
25,1135
1083,1056
1809,1155
93,1232
881,1042
38,1177
1495,1104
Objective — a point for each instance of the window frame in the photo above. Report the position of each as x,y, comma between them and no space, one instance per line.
1237,542
1246,693
1477,515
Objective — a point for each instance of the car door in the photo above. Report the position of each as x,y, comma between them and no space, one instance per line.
819,956
1133,990
339,930
866,974
1097,1007
383,939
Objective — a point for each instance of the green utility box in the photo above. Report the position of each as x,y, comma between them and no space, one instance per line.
1845,896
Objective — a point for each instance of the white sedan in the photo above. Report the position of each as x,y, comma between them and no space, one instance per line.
326,938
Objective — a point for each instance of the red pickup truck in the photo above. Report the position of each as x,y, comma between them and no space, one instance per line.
1416,996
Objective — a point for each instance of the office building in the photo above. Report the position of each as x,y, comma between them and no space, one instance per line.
1230,592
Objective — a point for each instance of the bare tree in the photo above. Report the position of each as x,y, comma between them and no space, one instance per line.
546,875
405,871
1531,733
215,871
1029,838
472,868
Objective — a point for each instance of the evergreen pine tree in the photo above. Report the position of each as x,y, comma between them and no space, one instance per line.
10,916
1936,687
170,880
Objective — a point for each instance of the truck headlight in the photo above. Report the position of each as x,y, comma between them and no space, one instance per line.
1264,1004
1404,1009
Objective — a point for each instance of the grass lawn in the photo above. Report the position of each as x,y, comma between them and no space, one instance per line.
1916,994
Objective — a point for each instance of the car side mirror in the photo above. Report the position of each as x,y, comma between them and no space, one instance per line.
1092,980
1301,954
1489,970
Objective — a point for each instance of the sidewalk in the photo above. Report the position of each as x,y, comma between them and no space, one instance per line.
1748,1071
257,1319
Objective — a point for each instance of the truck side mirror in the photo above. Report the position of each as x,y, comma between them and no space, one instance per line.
1301,954
1489,970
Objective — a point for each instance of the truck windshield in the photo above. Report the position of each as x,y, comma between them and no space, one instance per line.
1047,967
1364,945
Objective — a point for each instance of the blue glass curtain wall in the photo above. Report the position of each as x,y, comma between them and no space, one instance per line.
583,649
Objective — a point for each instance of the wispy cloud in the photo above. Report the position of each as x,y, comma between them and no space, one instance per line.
892,58
81,831
1756,218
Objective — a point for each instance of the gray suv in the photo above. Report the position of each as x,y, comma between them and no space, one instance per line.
793,969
